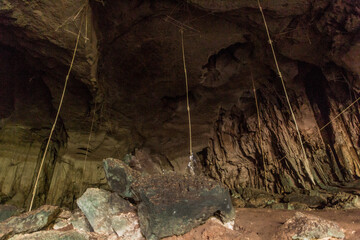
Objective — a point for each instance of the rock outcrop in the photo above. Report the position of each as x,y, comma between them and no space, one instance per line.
170,203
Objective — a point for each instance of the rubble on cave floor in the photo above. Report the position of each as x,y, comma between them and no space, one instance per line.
151,207
183,207
344,197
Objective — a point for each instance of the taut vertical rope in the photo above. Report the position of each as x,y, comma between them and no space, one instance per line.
306,162
187,91
192,159
56,118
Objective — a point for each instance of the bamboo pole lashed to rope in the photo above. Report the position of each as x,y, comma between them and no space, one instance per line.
56,118
305,160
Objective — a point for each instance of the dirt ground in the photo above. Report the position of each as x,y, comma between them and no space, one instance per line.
262,224
265,222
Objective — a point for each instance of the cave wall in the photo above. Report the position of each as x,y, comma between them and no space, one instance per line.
271,159
37,40
313,48
128,81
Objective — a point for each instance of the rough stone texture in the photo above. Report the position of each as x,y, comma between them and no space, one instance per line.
65,214
130,74
258,198
234,154
80,222
238,201
120,176
7,211
169,203
29,222
53,235
250,224
213,229
305,226
126,226
311,201
108,213
173,204
345,201
290,206
77,220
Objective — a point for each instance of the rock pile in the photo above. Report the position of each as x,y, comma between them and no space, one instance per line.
300,200
141,206
168,205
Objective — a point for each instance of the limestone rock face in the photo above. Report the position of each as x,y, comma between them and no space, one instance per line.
237,148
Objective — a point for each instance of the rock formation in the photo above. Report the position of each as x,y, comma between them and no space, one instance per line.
165,205
128,83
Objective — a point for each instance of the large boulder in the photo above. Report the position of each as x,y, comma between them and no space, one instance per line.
171,203
29,222
108,214
305,226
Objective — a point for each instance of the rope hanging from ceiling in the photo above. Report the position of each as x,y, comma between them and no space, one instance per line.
305,160
56,118
191,164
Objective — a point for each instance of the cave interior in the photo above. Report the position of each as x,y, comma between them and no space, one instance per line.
126,96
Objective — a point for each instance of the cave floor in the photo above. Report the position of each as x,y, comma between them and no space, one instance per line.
265,222
262,224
